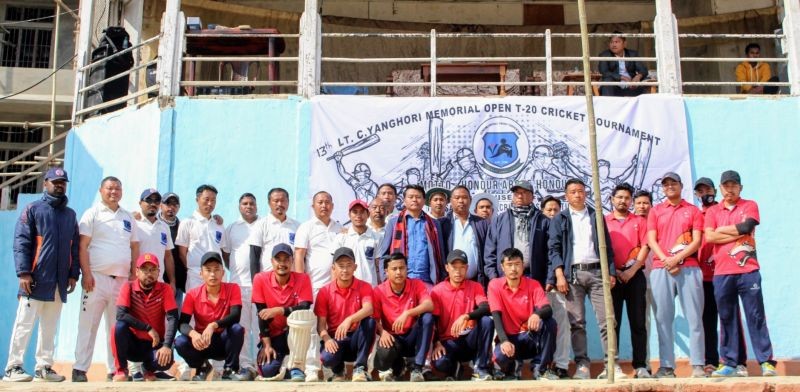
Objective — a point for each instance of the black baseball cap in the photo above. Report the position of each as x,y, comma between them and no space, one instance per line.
704,181
56,173
672,176
730,175
457,255
209,257
342,252
282,248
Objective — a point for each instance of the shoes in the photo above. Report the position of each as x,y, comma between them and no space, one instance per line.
359,374
618,374
149,376
17,374
741,370
297,375
428,375
163,376
665,373
724,371
137,377
47,374
184,372
312,376
698,372
386,375
641,373
78,375
548,375
562,373
768,370
244,374
227,375
201,373
481,375
708,369
416,375
581,373
121,375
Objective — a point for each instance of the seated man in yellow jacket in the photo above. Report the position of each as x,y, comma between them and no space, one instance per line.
755,71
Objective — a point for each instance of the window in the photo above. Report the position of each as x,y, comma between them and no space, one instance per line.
27,37
29,187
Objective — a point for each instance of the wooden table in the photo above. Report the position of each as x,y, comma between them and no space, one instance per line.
467,72
578,77
236,42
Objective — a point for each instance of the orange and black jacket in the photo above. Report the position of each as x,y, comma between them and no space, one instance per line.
46,247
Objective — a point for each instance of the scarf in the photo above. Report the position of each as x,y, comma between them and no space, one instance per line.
522,217
400,240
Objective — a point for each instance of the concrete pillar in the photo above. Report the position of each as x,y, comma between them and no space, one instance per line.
310,51
665,27
170,48
791,44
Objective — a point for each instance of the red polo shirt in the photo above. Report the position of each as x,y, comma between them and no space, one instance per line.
516,306
627,237
705,256
728,256
336,303
389,306
673,225
450,303
267,291
148,307
204,311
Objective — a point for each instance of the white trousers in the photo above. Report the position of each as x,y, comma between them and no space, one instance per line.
28,311
563,337
249,321
100,303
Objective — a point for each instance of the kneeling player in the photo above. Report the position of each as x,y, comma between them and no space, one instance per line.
403,309
216,307
522,318
142,306
344,319
464,326
277,294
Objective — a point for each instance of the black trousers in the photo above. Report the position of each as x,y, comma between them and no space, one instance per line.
633,294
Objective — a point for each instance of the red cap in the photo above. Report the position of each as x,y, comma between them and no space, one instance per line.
358,202
146,258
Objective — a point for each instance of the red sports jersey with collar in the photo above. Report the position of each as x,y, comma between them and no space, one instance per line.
336,303
627,237
673,225
735,257
148,307
389,306
204,311
705,255
516,306
449,303
266,290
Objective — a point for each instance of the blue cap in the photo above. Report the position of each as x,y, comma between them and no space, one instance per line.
149,192
56,173
282,248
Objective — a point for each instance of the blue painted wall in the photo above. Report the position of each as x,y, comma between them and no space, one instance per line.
251,145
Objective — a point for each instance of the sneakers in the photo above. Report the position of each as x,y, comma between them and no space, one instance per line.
244,374
359,374
724,371
416,375
562,373
665,373
741,370
47,374
618,374
768,370
201,373
77,375
698,372
121,375
581,373
481,375
549,375
386,375
17,374
708,369
138,376
297,375
184,372
312,376
163,376
149,376
641,373
227,375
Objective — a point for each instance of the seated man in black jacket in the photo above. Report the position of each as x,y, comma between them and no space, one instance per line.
216,307
620,70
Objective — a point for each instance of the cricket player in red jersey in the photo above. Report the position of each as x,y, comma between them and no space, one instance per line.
522,318
140,333
464,325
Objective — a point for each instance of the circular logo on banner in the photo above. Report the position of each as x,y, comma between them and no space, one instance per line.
501,147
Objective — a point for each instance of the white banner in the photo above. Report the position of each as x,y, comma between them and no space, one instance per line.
360,142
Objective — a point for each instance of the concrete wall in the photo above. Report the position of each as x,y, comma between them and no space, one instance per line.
242,145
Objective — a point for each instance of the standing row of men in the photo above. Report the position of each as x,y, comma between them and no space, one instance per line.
559,253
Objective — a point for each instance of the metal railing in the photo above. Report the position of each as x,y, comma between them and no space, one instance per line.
35,165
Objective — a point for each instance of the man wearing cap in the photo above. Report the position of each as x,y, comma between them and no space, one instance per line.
273,229
377,216
216,307
239,233
575,261
344,318
464,325
522,319
200,234
730,226
405,324
436,199
109,247
313,243
154,235
674,235
140,333
466,232
276,294
483,205
45,245
363,241
629,243
418,236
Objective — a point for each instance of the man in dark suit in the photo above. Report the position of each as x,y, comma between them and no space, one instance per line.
466,232
619,70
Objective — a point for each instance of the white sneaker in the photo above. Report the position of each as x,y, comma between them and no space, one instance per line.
618,373
312,375
582,373
741,371
698,372
184,372
17,374
386,375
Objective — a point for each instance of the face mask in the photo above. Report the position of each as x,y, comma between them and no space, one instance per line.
707,200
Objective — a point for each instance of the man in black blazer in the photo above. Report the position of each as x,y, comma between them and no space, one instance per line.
620,70
455,225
